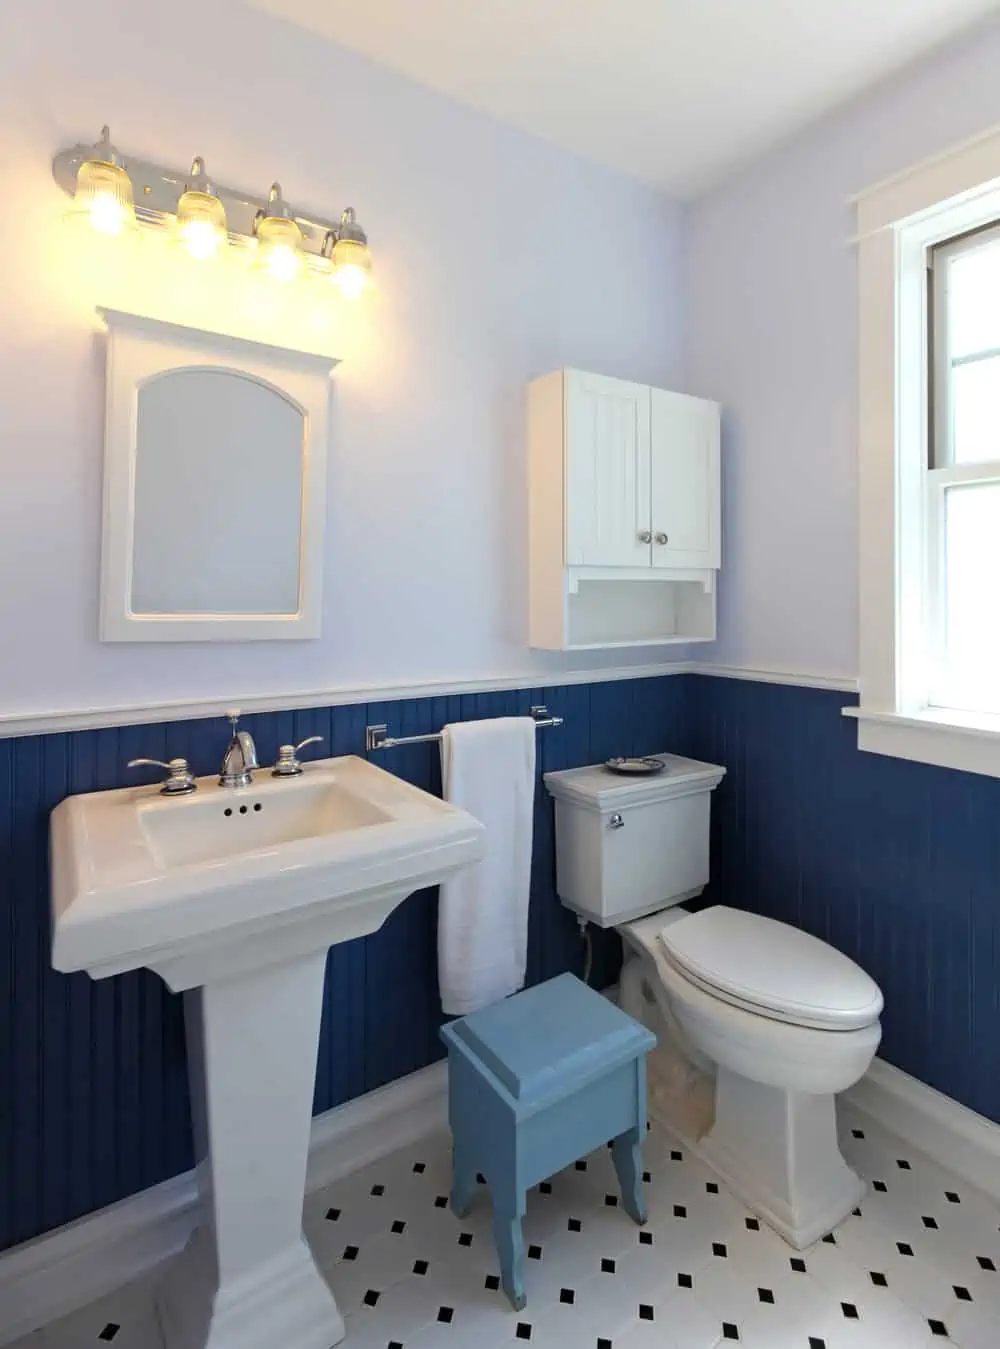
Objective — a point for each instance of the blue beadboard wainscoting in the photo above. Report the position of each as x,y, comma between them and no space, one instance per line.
93,1081
896,863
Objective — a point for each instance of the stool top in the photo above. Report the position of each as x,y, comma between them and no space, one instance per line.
550,1037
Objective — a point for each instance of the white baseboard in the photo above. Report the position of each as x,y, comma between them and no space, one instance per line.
951,1134
59,1272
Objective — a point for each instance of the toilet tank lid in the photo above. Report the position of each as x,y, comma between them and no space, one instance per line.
761,963
597,788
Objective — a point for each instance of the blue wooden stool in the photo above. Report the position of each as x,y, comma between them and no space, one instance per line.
535,1082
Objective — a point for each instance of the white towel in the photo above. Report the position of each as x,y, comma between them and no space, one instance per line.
488,768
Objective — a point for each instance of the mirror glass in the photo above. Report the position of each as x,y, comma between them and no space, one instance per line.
217,495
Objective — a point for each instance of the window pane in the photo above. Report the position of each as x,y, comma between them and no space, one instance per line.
975,392
972,595
974,301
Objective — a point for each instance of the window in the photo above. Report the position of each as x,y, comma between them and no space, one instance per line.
963,475
929,461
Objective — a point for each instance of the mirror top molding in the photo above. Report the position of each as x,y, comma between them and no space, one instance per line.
181,334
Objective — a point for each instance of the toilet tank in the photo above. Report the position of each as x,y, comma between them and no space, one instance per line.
627,846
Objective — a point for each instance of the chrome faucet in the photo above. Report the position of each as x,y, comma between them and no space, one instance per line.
240,758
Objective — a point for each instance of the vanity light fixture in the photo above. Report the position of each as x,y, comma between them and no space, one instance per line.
115,196
201,216
350,256
102,189
279,239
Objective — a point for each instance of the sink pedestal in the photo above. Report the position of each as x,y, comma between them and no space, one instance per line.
247,1278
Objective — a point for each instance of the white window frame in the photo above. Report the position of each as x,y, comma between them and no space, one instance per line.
898,221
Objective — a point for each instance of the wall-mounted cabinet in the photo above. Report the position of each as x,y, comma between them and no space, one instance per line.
624,513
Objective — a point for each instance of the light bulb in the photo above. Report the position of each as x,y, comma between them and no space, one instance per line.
201,216
282,261
279,239
107,214
351,280
103,193
350,258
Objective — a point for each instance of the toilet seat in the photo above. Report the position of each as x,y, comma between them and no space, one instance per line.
768,968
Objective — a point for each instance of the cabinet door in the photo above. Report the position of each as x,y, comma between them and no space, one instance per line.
607,472
684,478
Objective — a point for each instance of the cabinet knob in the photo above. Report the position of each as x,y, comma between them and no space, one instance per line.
617,821
662,538
645,536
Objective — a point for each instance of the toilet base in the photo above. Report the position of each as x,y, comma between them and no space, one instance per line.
778,1152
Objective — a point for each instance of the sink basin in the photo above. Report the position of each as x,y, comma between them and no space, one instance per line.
182,885
234,896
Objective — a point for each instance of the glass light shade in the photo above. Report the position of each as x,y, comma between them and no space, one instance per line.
279,248
201,216
104,197
351,267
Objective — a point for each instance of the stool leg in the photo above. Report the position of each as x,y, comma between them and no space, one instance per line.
463,1182
627,1154
510,1250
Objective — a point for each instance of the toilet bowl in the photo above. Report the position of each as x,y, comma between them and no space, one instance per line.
774,1136
785,1020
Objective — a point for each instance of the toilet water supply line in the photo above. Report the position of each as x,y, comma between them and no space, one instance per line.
588,946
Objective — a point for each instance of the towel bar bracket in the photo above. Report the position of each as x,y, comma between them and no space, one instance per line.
377,737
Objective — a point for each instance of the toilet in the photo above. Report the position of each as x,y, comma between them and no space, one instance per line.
781,1019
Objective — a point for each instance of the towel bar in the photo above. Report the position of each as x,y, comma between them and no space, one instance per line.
377,737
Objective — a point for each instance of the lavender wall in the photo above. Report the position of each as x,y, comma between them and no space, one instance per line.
489,254
772,286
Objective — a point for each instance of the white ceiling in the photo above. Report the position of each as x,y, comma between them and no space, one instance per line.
674,92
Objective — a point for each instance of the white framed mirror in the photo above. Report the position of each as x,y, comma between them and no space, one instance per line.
214,486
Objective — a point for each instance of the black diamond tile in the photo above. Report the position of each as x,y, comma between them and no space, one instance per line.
849,1310
929,1223
816,1343
646,1312
332,1214
420,1267
904,1248
798,1265
567,1295
680,1211
879,1186
729,1331
985,1262
419,1168
545,1187
938,1328
858,1133
397,1227
711,1187
676,1156
441,1201
574,1225
645,1238
377,1191
371,1297
110,1331
604,1344
607,1265
878,1279
765,1295
534,1252
492,1282
610,1201
719,1249
903,1164
350,1253
581,1165
465,1239
395,1344
647,1178
856,1212
830,1239
523,1331
752,1225
961,1293
446,1315
952,1197
685,1281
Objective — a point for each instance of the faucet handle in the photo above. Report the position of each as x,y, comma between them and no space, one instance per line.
233,715
287,765
179,780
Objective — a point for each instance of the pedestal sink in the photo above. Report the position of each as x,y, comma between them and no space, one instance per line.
233,897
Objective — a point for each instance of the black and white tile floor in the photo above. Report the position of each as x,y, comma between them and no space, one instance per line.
917,1266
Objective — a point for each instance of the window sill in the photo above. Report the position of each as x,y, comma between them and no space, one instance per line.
966,741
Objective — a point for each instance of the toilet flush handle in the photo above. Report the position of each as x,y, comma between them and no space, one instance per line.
617,821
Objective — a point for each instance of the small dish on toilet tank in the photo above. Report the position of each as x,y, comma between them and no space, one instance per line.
640,768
